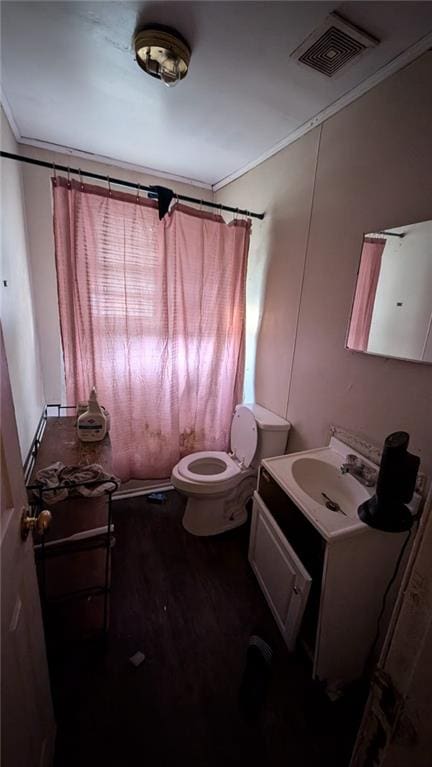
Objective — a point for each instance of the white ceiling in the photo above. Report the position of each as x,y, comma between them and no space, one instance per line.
70,79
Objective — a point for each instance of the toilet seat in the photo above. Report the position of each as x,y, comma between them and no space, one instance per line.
213,471
211,467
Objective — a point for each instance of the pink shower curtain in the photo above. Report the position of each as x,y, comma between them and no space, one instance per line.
152,313
364,299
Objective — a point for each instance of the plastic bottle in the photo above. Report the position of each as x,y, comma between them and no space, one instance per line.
92,425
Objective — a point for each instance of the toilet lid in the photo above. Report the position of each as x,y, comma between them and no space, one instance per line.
244,435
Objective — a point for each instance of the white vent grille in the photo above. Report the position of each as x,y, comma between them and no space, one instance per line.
333,46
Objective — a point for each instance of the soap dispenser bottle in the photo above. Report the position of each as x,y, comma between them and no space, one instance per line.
92,425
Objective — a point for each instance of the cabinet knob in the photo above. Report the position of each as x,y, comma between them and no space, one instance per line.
295,589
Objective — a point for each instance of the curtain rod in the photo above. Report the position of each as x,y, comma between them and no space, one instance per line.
89,174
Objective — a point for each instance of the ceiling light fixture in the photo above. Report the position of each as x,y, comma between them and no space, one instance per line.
162,53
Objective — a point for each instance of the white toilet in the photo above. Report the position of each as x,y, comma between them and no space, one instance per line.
218,485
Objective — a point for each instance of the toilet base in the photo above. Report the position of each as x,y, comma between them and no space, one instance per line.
211,516
197,522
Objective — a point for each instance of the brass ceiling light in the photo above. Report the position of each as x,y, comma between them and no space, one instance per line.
162,53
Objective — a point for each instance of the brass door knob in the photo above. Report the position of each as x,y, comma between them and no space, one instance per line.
39,522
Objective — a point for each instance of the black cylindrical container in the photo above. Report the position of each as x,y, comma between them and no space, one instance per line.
392,478
395,486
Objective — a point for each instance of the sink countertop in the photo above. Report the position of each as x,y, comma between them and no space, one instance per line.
330,524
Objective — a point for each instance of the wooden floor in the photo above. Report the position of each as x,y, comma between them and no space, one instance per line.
189,604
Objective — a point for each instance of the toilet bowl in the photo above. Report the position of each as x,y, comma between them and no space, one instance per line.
218,484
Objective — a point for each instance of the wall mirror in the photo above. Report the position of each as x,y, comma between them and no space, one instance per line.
392,308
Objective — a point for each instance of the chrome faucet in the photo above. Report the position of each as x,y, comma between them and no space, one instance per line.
361,471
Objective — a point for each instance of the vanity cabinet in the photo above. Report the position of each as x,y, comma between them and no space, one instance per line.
281,575
324,590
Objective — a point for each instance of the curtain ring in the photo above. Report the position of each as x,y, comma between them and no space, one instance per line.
138,192
68,178
109,186
54,172
80,178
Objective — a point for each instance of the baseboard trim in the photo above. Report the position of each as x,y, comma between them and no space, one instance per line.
84,535
122,495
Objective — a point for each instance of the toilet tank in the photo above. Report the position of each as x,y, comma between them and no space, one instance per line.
272,433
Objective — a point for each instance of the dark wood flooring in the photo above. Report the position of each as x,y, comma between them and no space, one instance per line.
189,604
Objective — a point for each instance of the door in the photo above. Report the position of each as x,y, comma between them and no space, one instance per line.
395,730
281,575
27,719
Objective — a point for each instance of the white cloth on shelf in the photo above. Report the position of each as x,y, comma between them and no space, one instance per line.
57,482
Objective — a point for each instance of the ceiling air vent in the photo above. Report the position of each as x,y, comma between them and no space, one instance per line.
333,46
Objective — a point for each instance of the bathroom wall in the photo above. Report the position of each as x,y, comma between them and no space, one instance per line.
276,262
37,186
368,167
17,314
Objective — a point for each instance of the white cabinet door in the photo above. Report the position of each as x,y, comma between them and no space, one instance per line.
282,577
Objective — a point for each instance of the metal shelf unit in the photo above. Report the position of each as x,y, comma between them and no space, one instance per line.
79,525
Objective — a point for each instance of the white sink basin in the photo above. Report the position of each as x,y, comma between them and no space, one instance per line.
307,475
325,484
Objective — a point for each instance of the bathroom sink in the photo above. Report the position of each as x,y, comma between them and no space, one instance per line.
329,498
325,484
313,479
